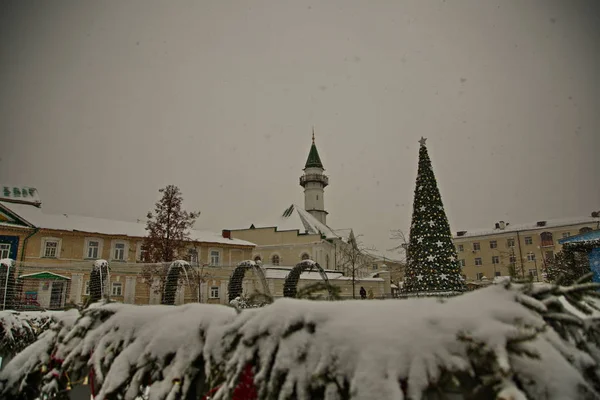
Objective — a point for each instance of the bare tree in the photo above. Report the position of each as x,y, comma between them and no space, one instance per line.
154,276
354,260
397,268
197,275
168,227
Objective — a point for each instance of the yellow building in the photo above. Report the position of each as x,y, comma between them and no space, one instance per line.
55,253
485,254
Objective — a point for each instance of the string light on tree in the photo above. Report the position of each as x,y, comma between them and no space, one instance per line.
432,263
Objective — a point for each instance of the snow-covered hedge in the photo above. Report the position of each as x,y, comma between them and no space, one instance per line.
504,341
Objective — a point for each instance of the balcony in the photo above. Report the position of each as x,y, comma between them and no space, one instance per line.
318,178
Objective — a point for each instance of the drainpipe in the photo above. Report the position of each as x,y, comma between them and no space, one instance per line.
6,286
520,255
35,230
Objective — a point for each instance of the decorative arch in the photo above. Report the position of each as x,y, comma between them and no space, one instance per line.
291,281
237,278
257,258
585,229
172,282
305,256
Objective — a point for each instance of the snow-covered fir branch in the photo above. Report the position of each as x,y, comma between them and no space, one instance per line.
507,341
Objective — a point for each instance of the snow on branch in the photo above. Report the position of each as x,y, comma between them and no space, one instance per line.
504,341
24,375
130,347
19,329
399,349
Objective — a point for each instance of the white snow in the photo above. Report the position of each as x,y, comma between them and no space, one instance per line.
66,222
374,345
551,223
136,342
369,346
7,261
302,221
38,353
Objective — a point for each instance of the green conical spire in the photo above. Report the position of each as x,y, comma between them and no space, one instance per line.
313,161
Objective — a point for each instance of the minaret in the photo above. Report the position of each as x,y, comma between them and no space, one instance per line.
313,181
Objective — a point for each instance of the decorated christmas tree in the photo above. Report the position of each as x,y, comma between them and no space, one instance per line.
432,265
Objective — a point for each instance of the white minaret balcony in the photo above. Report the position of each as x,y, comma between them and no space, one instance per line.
317,178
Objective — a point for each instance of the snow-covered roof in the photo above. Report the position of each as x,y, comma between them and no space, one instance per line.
66,222
297,219
551,223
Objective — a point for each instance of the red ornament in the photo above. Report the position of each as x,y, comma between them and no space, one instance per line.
245,389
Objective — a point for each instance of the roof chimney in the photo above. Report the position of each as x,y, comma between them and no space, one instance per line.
226,233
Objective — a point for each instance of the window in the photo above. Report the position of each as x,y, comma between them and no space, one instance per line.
326,261
476,246
495,260
275,259
478,261
193,256
374,266
214,292
547,239
528,240
585,230
4,250
510,242
119,251
497,273
530,256
116,289
493,244
305,256
480,276
93,249
51,248
140,252
533,273
513,259
215,258
566,234
460,247
257,259
86,289
462,262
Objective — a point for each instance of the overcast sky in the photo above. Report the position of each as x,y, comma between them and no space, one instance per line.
102,103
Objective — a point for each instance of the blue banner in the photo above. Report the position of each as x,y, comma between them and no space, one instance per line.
595,263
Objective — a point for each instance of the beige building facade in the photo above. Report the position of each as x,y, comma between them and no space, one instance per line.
525,248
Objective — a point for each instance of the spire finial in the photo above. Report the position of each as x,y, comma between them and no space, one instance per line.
313,138
422,141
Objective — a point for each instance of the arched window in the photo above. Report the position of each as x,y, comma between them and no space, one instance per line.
275,259
547,239
585,229
257,258
305,256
